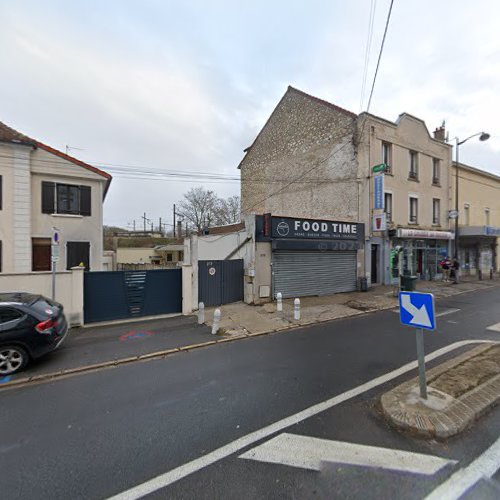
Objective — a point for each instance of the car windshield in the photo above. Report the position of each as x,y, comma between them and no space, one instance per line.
43,306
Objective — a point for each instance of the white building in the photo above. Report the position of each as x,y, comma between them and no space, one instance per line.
42,188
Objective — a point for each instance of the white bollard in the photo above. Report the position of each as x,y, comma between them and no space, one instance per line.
296,309
279,302
215,324
201,313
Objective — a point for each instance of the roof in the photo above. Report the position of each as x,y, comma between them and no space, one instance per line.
478,171
303,94
230,228
8,134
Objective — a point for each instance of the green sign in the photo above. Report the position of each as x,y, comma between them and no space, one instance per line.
379,168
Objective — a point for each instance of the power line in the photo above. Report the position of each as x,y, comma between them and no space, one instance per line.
367,51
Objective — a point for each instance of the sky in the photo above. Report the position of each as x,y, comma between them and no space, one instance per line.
187,85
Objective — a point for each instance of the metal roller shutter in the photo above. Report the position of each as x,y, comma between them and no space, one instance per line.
299,273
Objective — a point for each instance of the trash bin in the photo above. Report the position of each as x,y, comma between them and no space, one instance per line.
363,284
408,283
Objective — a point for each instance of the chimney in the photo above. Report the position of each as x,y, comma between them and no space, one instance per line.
179,229
440,133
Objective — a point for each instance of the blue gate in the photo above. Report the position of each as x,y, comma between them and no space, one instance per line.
220,281
110,295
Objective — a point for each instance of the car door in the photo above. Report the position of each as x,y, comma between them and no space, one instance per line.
12,325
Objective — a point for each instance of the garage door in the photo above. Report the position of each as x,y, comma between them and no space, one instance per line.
299,273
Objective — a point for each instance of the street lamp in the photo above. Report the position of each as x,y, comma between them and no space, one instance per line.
483,136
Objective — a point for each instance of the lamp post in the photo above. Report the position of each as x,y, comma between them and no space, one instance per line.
483,136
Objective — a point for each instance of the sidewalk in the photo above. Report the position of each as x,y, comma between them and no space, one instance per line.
240,318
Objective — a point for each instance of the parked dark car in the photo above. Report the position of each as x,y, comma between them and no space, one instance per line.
30,326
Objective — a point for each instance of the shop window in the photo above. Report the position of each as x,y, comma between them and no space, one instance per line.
413,210
388,206
466,214
387,156
487,216
40,254
436,209
436,172
413,174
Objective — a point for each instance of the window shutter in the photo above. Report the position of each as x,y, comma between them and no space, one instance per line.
48,189
85,200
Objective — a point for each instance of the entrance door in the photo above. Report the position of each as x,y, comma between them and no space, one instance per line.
374,266
420,262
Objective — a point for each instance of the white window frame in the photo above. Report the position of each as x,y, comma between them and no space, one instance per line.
387,160
414,197
391,218
413,173
436,221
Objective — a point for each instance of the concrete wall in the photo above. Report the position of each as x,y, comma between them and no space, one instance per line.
219,247
69,289
311,141
134,255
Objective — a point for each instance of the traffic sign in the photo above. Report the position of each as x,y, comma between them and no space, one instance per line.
379,168
417,309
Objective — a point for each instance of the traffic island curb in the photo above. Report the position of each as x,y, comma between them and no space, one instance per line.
442,415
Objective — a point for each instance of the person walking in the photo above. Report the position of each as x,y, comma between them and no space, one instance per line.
455,267
445,266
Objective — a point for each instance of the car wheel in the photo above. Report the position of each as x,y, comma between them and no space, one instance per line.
12,359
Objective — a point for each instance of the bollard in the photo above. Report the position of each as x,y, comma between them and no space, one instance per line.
201,313
296,309
215,324
279,302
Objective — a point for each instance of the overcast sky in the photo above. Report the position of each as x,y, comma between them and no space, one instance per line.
187,85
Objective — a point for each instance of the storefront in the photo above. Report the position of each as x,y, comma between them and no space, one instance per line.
477,249
419,251
311,257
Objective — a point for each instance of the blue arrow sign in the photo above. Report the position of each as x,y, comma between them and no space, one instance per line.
417,309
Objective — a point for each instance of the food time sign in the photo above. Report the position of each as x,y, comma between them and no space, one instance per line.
286,227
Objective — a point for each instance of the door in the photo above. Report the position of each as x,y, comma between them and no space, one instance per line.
306,273
220,281
374,266
40,254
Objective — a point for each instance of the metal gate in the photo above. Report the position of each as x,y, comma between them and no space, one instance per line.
220,281
110,295
302,273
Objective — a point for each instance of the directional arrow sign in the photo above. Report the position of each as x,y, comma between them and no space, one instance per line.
417,309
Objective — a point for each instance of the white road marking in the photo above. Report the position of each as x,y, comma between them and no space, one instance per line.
494,328
308,452
199,463
442,313
457,484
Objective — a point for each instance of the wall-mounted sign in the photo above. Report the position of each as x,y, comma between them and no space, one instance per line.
423,234
378,183
379,222
211,271
379,168
287,227
452,214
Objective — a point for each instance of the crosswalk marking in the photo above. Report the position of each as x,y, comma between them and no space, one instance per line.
308,452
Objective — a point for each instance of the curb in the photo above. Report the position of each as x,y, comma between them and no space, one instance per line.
44,377
455,416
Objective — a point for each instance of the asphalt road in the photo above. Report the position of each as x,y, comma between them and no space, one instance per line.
98,434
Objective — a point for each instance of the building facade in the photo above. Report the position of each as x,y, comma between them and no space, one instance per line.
478,220
45,191
405,196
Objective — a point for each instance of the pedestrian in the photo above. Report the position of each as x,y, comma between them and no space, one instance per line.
445,266
455,268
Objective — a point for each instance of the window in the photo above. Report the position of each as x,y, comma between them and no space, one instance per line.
78,252
387,156
436,211
487,216
466,214
1,193
169,257
8,314
66,199
436,168
388,206
40,254
413,210
413,165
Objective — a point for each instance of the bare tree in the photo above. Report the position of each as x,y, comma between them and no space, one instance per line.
198,207
201,207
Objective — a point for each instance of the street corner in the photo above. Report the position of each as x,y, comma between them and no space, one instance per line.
459,391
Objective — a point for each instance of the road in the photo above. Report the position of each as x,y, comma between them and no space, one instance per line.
107,432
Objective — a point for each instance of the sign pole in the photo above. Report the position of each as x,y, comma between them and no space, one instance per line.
421,363
53,279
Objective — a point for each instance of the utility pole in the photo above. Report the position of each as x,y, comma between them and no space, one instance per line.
144,219
134,225
174,220
159,227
